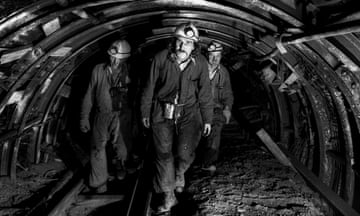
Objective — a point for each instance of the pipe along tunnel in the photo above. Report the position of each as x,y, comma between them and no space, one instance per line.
294,69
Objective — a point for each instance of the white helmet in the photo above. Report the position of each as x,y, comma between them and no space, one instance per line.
187,30
119,49
214,47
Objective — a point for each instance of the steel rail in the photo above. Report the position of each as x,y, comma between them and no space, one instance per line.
321,33
142,186
68,190
56,189
69,198
340,94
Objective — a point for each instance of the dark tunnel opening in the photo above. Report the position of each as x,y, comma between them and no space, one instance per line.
305,98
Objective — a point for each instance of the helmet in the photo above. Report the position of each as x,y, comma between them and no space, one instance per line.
214,47
119,49
187,30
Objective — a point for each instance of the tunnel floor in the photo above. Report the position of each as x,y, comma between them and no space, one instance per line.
248,181
16,198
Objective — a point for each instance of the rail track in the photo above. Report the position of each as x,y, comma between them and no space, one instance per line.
71,196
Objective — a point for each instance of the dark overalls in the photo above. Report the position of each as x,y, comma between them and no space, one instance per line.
175,140
107,92
222,96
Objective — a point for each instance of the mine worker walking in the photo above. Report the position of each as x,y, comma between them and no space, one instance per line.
108,94
223,101
175,99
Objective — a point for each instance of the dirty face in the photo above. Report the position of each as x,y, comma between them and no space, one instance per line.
184,47
115,62
214,58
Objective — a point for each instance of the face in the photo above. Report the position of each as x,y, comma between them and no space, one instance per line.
184,47
214,58
115,62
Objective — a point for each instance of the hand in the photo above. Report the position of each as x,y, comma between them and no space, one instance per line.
84,125
207,129
146,122
227,114
121,155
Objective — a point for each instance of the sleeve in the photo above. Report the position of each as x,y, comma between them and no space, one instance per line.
205,96
228,93
148,91
88,100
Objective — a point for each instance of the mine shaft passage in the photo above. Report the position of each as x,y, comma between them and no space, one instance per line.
294,71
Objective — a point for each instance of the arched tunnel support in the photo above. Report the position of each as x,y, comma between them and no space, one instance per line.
301,82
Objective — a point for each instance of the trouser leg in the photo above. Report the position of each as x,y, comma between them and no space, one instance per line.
119,144
126,129
164,178
211,150
212,142
189,134
120,158
98,160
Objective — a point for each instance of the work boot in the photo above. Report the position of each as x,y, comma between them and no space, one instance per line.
101,189
179,183
120,174
120,171
168,203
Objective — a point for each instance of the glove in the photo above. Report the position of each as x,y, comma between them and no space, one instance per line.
207,129
227,114
84,125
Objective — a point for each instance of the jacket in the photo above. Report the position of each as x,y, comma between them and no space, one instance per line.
166,80
221,89
98,92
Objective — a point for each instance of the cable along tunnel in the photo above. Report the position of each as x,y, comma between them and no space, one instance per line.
294,68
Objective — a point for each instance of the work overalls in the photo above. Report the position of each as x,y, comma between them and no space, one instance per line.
108,93
175,140
222,96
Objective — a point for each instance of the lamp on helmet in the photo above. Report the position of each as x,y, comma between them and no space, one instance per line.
119,49
214,47
187,30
